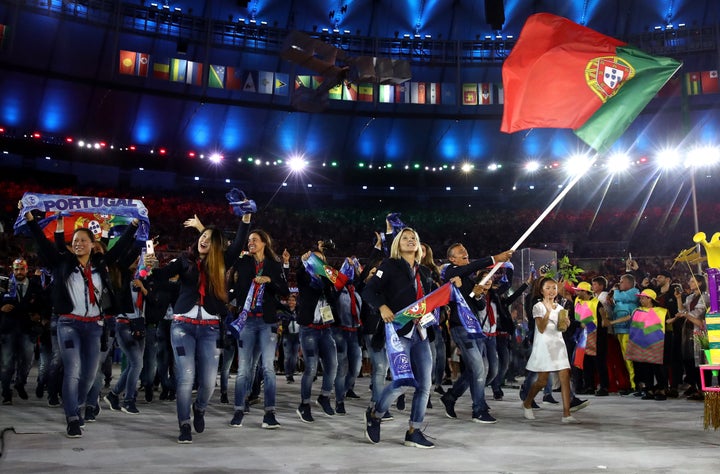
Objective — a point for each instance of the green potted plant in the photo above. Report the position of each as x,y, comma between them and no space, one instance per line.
703,342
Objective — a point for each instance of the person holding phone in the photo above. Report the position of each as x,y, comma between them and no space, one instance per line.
196,332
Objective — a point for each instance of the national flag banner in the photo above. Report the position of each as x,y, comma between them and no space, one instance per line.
486,93
470,94
434,94
250,81
134,64
335,93
402,93
318,267
216,76
194,75
693,84
303,81
104,216
414,92
178,70
386,93
282,82
578,357
3,33
265,82
365,92
161,69
350,91
233,78
421,92
435,299
564,75
316,81
709,82
127,62
449,93
500,93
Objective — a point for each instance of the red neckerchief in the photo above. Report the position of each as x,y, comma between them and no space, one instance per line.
420,293
418,283
139,301
490,312
87,271
353,304
203,282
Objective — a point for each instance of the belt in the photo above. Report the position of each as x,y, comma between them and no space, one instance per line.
319,326
122,320
202,322
491,334
349,329
85,319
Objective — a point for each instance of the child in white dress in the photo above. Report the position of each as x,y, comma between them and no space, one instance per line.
548,352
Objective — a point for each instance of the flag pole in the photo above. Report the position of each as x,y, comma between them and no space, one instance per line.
540,218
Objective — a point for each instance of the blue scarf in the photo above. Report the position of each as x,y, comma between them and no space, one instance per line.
400,366
466,315
238,324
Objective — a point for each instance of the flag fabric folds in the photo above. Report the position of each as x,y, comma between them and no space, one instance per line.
423,306
315,266
564,75
105,217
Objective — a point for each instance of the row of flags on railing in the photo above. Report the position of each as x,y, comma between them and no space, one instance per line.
425,93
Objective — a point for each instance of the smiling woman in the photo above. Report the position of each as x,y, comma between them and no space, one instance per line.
80,304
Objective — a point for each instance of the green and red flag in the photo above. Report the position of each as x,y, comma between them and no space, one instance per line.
564,75
315,266
426,304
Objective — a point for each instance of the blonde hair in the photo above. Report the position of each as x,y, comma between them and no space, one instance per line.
395,247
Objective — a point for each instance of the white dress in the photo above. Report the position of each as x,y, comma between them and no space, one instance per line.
548,352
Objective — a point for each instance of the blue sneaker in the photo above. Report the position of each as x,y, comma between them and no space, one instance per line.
449,406
113,401
417,440
483,417
324,402
372,427
305,413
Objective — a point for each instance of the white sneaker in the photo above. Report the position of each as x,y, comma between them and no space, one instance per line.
571,420
528,413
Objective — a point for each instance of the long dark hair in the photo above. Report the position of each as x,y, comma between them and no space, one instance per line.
214,263
267,240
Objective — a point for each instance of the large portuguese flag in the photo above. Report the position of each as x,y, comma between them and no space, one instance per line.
564,75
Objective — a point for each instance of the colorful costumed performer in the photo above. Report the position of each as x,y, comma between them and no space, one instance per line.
712,320
646,344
